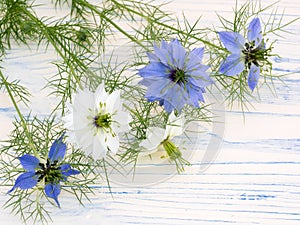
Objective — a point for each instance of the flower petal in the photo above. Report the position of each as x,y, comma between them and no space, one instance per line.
99,147
100,95
84,139
83,100
255,32
178,54
196,95
29,162
175,125
52,191
158,88
162,82
176,98
195,58
233,65
154,69
122,119
200,78
199,52
113,102
58,150
113,143
163,53
67,170
25,181
152,57
234,42
154,138
253,76
169,107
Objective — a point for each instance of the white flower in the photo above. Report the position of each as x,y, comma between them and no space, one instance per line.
156,135
95,120
158,138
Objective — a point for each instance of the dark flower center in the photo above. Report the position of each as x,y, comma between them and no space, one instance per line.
178,76
103,121
50,171
256,55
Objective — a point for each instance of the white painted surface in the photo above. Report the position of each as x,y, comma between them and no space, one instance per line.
255,178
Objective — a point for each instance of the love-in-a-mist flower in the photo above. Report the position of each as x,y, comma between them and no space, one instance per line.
174,76
49,173
248,56
95,121
157,137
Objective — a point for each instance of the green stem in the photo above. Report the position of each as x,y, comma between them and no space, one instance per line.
51,40
164,25
103,16
29,136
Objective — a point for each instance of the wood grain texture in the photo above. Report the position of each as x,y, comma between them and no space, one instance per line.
255,178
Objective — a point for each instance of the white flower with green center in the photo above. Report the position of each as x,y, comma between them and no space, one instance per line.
95,120
162,138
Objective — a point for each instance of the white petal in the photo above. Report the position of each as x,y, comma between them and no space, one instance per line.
113,143
122,120
154,138
175,125
99,147
85,139
83,100
113,102
81,123
68,120
100,95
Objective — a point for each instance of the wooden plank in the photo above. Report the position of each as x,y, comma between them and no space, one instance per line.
255,178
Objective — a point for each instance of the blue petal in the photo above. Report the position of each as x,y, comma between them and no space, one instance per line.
147,81
199,52
25,181
57,151
158,88
234,42
153,99
152,57
177,97
195,58
233,65
52,191
164,45
254,32
154,69
168,106
178,54
195,95
29,162
66,170
253,76
163,53
200,78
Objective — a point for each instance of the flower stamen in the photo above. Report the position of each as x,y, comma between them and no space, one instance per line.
255,55
178,76
103,121
174,154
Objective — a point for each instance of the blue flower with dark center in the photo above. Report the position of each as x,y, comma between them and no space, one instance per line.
248,57
51,172
175,77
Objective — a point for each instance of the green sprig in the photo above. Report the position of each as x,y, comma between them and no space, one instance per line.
30,204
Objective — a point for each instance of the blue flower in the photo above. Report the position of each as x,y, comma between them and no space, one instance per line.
248,56
175,77
50,172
